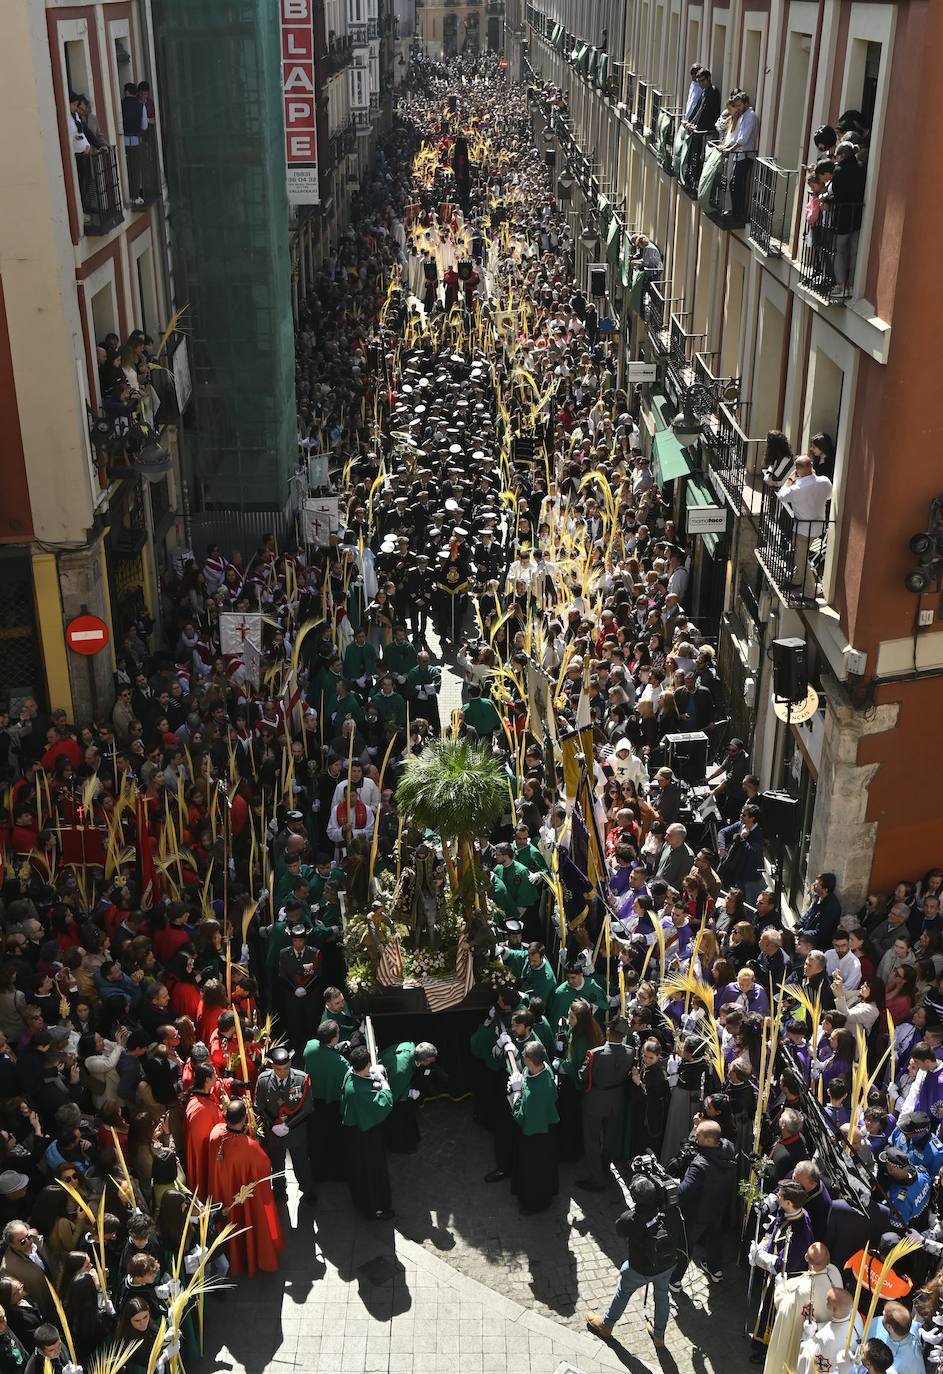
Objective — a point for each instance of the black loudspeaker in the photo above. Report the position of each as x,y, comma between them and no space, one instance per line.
790,672
687,755
597,281
779,817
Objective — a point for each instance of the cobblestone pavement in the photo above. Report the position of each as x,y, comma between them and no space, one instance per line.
460,1282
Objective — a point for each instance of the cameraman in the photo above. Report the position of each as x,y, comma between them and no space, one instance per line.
652,1229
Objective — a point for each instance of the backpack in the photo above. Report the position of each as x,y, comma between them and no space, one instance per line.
659,1249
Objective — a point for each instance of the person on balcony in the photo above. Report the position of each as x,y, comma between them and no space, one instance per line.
134,126
806,498
780,459
845,195
702,119
740,146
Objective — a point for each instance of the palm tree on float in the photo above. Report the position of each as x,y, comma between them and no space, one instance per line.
459,790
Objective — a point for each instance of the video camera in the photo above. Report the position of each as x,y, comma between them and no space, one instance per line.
647,1166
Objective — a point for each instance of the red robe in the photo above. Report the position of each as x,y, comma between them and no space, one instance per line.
236,1159
203,1114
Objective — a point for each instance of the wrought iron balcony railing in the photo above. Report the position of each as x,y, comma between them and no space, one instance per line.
771,206
682,346
827,264
100,190
651,131
641,104
792,552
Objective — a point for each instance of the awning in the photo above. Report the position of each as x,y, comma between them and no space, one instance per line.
671,460
602,71
613,242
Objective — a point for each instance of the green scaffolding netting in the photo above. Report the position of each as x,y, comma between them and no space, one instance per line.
221,118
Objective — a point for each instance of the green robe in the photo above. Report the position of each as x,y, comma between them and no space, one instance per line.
565,995
363,1105
482,1042
285,881
390,708
360,660
399,659
482,715
345,1020
422,677
400,1064
345,706
535,1107
325,693
544,1033
327,1068
512,889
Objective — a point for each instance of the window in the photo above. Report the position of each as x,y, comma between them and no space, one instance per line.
76,67
869,85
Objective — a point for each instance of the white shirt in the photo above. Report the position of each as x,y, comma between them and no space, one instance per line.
806,499
368,792
744,137
849,966
678,582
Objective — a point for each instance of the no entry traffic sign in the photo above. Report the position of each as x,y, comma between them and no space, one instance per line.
86,634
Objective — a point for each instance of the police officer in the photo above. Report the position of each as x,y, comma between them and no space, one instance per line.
603,1076
283,1103
907,1186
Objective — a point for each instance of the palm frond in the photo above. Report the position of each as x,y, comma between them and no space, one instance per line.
453,788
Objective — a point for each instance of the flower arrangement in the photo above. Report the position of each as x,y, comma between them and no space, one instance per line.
427,963
361,976
496,975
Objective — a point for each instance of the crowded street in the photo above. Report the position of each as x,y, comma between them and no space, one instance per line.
447,930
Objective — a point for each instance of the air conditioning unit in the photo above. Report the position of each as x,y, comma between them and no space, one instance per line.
749,692
753,654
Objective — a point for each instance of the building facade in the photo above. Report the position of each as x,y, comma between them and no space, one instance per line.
361,59
764,319
83,254
447,28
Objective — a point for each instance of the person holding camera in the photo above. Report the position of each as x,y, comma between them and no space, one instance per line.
653,1231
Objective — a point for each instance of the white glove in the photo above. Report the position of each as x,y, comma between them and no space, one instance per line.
769,1204
279,1129
316,804
172,1350
413,1094
893,1093
615,1001
71,1369
503,1040
930,1337
244,954
301,992
933,1247
534,879
754,1251
163,1292
191,1262
515,1082
764,1260
491,1014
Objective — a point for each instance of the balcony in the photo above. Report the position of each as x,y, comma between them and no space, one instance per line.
682,346
727,447
771,206
692,163
792,552
629,96
339,53
827,265
143,167
668,121
729,201
656,316
357,33
100,190
651,130
641,104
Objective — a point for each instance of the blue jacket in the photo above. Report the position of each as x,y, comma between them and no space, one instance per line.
910,1199
925,1150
